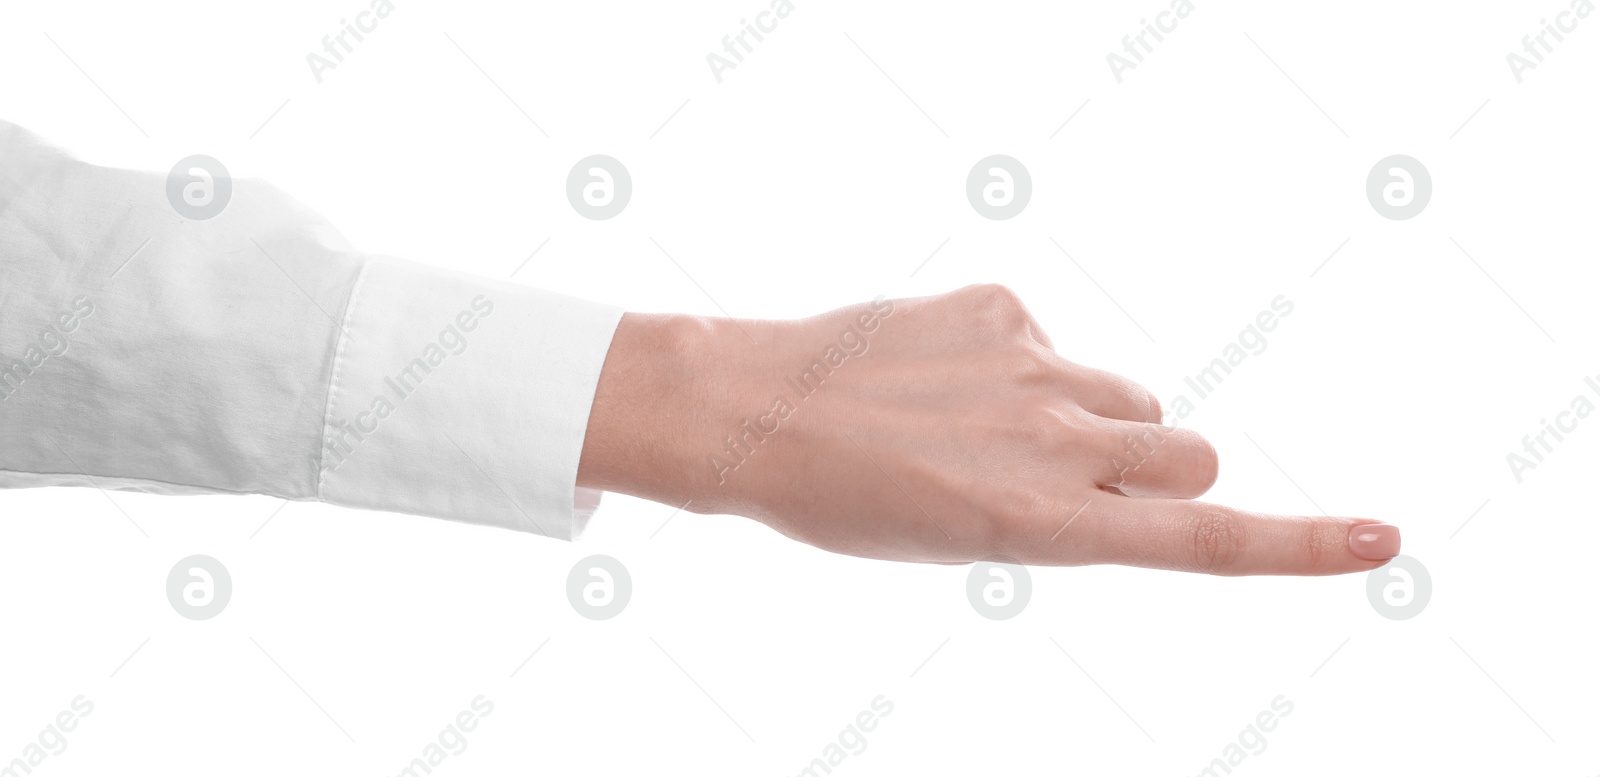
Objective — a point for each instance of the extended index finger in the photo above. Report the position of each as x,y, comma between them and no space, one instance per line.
1190,536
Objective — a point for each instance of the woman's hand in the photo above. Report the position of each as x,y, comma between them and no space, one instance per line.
939,429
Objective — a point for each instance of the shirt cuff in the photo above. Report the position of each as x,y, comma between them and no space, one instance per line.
464,398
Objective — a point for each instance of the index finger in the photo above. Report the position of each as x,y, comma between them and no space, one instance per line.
1190,536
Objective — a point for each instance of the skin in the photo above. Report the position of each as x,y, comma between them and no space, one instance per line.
958,434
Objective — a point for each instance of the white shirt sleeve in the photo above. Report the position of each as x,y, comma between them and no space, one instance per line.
256,352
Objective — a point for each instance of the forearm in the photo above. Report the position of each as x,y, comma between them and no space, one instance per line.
253,351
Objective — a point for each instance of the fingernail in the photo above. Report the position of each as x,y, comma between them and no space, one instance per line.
1375,541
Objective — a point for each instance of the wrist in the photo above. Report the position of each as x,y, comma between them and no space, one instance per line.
649,406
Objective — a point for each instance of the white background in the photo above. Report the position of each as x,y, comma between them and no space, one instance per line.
1191,194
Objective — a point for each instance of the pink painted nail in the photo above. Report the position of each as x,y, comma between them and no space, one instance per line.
1375,541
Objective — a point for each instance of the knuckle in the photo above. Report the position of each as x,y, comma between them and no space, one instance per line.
1314,551
1000,305
1206,465
1156,411
1141,404
1322,546
998,295
1215,540
1028,366
1038,429
1004,297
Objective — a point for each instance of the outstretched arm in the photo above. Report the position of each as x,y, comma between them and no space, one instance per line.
248,349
